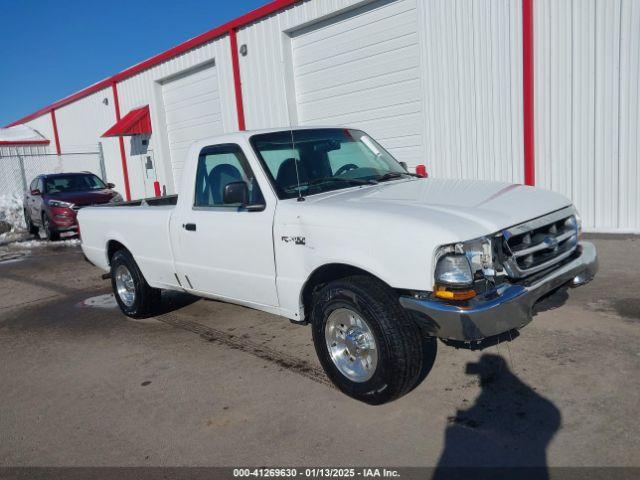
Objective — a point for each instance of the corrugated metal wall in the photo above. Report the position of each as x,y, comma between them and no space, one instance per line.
80,126
471,77
145,88
472,83
587,99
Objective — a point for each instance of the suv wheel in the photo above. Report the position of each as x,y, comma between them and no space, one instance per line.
133,294
33,230
368,345
46,229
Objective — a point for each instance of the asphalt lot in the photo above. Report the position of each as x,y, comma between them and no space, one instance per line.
208,383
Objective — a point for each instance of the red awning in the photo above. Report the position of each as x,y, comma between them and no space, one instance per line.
135,122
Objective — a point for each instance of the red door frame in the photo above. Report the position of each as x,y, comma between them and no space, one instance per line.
55,131
123,155
528,92
237,81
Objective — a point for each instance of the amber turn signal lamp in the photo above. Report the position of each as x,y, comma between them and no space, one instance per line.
447,294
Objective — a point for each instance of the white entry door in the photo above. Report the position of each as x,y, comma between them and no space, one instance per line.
362,69
193,112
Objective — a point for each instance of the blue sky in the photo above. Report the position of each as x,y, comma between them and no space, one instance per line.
52,48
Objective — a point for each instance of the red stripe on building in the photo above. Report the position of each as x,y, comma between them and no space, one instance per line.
55,131
25,142
237,81
527,92
123,155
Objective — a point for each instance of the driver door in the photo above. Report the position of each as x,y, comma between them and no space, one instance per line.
223,250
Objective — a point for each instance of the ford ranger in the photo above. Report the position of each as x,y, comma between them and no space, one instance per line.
324,227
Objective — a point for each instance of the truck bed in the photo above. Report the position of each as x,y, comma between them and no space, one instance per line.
171,200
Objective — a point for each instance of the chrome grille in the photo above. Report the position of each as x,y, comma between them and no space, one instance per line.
540,243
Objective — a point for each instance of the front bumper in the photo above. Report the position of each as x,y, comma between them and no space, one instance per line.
506,308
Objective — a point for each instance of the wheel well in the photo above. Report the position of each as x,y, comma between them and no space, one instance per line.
323,275
112,247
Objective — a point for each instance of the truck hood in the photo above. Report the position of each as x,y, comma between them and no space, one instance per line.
466,208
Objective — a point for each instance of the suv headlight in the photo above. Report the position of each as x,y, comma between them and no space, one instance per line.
58,203
459,265
117,198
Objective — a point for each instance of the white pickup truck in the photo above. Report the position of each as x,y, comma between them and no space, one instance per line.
323,226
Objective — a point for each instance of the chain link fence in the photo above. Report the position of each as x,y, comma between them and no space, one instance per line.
18,169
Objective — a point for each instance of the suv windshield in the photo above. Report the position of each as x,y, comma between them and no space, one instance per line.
73,183
305,162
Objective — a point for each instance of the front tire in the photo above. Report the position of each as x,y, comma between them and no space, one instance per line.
134,295
368,345
49,234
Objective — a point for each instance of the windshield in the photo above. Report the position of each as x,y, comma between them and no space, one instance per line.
73,183
306,162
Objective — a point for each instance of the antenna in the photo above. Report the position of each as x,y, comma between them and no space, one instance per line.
293,142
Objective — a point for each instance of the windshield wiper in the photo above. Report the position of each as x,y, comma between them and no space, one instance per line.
352,181
394,175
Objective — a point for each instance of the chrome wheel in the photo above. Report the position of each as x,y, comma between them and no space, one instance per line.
351,344
125,286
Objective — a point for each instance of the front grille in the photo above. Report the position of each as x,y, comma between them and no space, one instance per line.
540,243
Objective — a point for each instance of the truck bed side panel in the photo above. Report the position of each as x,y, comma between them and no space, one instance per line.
142,230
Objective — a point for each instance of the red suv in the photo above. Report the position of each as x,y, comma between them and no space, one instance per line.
53,200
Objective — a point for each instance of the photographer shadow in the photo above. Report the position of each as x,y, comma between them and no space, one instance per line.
508,427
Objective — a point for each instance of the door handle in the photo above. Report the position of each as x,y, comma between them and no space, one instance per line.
191,227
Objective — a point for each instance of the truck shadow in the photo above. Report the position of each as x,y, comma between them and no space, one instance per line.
509,426
172,301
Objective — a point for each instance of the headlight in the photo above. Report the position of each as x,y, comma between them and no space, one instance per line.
117,198
58,203
454,270
460,264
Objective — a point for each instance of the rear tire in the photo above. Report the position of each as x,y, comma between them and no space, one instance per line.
33,230
359,318
134,295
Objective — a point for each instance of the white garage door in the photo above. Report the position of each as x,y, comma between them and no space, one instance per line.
192,109
362,69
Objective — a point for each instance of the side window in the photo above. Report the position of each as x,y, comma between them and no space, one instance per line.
40,185
34,184
218,166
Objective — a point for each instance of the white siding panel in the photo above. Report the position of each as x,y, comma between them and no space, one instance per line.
472,74
587,81
192,111
145,88
80,127
363,69
44,126
467,96
264,68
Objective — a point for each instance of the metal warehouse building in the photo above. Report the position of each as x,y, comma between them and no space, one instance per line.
543,92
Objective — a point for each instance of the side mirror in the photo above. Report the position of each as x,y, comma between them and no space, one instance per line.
35,191
404,165
111,185
236,193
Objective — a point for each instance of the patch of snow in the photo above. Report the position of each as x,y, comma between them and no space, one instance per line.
11,214
11,211
72,242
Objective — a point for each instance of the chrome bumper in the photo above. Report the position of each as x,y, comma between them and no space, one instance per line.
506,308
